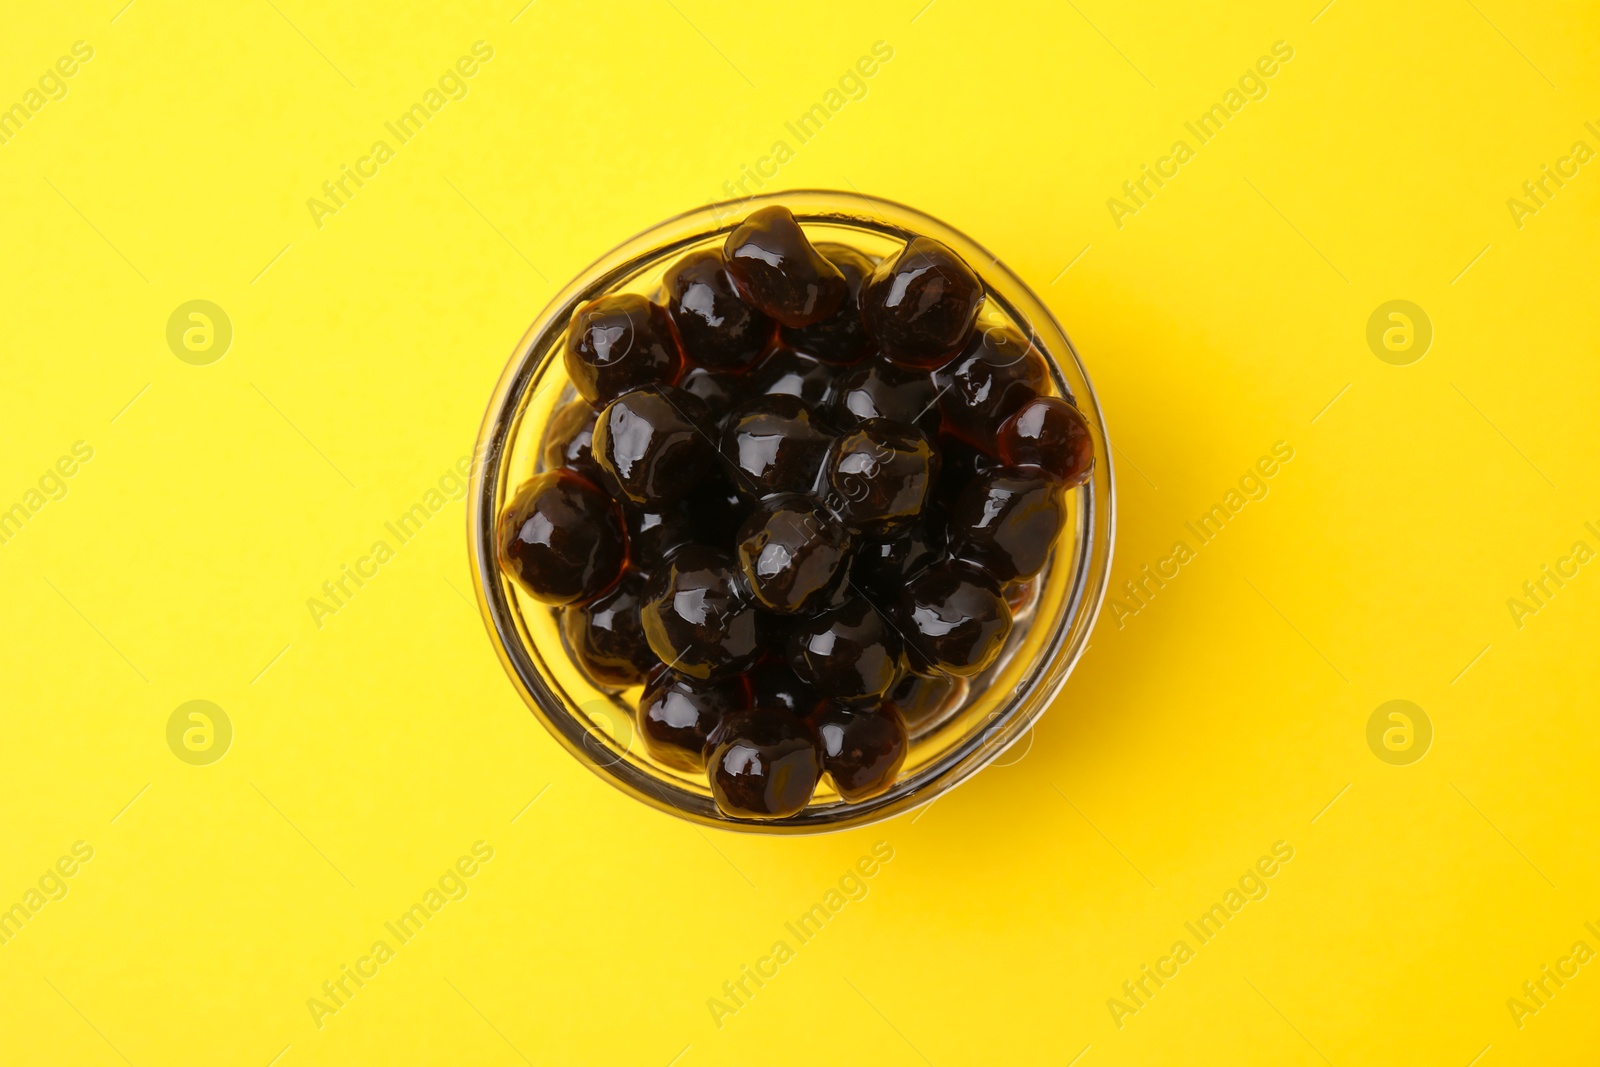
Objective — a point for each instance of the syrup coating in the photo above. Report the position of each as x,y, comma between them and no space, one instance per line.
1049,434
920,306
652,442
954,619
620,342
764,764
717,328
995,374
775,444
606,636
569,440
561,538
1005,522
862,748
677,715
881,475
877,388
841,337
789,372
850,653
698,617
778,271
792,554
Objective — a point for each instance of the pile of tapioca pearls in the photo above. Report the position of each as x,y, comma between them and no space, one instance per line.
790,501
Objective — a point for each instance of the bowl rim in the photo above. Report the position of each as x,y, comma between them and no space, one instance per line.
1091,561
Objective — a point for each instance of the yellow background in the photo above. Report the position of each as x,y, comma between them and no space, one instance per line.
372,752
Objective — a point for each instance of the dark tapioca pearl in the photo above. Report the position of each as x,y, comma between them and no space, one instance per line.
718,388
718,510
959,464
620,342
882,567
792,553
862,748
920,698
880,475
698,616
560,538
606,637
716,327
653,441
851,653
879,389
954,619
677,715
775,445
783,371
839,338
777,271
773,684
919,306
763,764
994,376
654,534
1049,434
837,595
568,440
1006,520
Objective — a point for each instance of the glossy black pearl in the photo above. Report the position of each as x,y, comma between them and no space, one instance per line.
792,554
1005,522
1049,434
655,533
718,510
994,376
763,764
783,371
839,338
862,748
959,464
719,389
677,715
881,474
883,566
606,637
850,653
876,388
568,441
653,442
698,617
921,698
716,327
620,342
560,538
776,269
954,619
775,445
773,684
919,306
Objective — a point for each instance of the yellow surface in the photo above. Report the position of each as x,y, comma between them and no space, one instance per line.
374,748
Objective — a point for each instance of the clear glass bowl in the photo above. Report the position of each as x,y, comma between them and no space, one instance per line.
1054,612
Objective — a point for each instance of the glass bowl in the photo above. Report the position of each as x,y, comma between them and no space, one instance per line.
983,716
